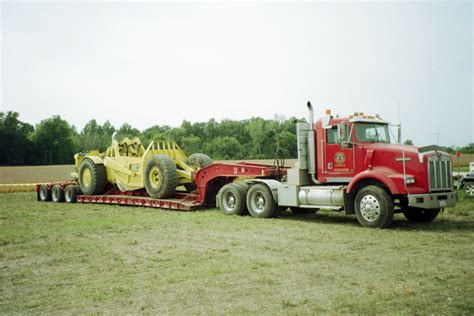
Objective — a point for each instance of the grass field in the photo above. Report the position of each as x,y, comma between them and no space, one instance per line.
74,258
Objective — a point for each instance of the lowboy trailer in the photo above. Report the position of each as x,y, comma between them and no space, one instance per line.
345,163
209,180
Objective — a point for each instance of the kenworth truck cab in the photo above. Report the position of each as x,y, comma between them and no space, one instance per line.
348,163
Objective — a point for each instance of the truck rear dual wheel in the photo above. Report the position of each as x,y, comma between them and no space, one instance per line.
260,202
231,199
198,160
374,207
92,177
160,176
419,215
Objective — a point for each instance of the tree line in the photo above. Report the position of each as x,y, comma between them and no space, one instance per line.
55,141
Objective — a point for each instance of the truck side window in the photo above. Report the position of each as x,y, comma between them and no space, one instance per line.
331,134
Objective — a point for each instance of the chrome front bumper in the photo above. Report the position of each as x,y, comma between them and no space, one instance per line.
432,200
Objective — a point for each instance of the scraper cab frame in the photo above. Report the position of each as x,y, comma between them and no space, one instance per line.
159,168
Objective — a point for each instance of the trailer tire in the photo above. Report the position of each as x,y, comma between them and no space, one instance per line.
199,160
70,193
92,177
374,207
57,194
419,215
260,202
301,210
161,178
232,199
44,193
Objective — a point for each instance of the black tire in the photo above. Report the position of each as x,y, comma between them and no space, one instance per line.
98,177
419,215
469,189
301,210
70,193
57,194
244,188
260,202
160,176
198,160
232,199
44,193
374,207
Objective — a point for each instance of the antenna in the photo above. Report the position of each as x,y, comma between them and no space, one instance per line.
399,124
437,137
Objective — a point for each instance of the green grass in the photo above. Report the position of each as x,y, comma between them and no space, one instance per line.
73,258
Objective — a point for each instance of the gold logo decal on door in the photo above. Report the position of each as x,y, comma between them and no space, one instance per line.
340,158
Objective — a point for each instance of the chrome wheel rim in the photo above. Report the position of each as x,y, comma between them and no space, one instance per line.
369,208
229,201
42,194
258,202
470,189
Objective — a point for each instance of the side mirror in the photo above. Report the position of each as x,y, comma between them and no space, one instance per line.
341,133
346,145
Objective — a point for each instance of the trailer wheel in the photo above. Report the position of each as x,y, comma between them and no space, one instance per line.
232,199
160,177
374,207
44,193
70,193
419,215
92,177
260,202
301,210
57,194
199,160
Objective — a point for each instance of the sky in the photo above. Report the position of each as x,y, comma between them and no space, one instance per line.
161,63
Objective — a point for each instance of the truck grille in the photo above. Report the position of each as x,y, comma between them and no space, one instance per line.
440,173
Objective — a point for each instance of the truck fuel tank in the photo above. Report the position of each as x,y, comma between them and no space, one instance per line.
322,196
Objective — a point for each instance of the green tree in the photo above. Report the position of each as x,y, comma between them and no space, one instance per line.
94,136
126,130
191,144
408,142
288,144
16,146
54,139
223,148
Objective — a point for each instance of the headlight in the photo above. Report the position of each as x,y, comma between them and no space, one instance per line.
409,180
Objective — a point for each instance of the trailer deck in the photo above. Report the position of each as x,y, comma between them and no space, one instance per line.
208,182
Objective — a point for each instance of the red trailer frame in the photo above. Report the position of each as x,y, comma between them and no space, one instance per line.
208,181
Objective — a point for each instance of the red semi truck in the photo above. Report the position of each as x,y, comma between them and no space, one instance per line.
344,163
348,163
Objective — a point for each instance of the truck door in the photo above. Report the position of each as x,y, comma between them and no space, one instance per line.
338,162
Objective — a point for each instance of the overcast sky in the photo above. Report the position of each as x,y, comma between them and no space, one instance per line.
163,63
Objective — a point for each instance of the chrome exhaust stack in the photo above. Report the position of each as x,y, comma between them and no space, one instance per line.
311,147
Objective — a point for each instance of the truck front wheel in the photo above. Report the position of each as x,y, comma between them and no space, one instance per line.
374,207
420,215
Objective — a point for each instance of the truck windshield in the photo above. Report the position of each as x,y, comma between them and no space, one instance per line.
372,132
